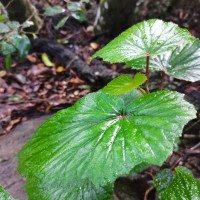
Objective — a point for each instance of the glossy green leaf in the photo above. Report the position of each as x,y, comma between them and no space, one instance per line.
7,48
182,63
101,137
124,83
162,180
153,36
182,186
51,11
4,28
139,79
61,23
130,96
5,195
84,190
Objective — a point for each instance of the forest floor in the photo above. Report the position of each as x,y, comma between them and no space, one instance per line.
31,90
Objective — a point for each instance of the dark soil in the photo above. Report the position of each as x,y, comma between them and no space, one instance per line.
9,146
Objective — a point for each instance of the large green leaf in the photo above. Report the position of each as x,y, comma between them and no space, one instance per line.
84,190
182,63
102,137
153,36
4,195
181,186
124,83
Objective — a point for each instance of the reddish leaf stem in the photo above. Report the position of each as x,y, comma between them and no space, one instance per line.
192,150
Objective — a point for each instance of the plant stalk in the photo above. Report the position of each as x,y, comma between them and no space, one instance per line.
141,90
147,72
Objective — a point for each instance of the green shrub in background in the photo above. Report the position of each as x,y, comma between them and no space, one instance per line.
75,9
79,152
13,39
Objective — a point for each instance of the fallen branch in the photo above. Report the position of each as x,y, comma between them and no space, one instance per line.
93,73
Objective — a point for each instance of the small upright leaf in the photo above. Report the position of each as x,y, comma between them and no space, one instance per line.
5,195
119,85
139,79
153,37
102,137
51,11
124,83
181,186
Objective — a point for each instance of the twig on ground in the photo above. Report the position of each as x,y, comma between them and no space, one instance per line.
147,192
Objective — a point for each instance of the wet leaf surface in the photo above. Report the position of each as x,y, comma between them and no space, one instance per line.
99,131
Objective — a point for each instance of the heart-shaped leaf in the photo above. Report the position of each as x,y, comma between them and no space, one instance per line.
180,186
152,37
101,137
124,83
4,195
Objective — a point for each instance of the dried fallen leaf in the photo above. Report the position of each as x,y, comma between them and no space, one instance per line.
76,93
13,123
31,58
46,60
49,107
2,73
94,45
76,81
90,28
60,69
